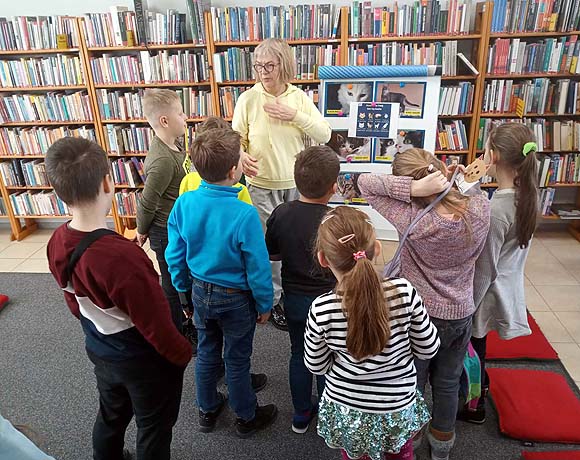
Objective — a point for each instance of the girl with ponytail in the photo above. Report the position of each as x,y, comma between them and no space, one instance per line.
364,337
499,272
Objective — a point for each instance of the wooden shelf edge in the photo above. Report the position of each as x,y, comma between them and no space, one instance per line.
20,89
517,76
527,115
415,38
141,121
155,47
532,34
44,123
151,85
41,51
451,152
312,41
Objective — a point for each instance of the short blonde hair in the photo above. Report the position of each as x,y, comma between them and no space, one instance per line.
157,102
281,51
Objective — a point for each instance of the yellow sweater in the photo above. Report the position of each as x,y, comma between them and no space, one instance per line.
192,181
275,143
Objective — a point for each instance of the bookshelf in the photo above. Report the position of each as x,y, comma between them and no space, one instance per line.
333,41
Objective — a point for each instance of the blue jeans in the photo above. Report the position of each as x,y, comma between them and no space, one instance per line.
297,307
224,316
444,370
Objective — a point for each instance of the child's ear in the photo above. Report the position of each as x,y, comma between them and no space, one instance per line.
322,260
163,121
232,172
107,184
378,249
334,188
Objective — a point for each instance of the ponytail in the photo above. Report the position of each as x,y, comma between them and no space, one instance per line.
526,183
366,312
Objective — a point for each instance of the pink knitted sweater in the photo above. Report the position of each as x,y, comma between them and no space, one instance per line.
439,255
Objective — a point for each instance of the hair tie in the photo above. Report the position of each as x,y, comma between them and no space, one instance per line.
346,238
529,147
360,255
326,218
430,168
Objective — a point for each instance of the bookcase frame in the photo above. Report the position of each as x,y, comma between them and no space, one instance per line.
480,38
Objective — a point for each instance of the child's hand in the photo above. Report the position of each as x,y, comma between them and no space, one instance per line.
451,169
280,111
263,317
430,185
249,165
141,239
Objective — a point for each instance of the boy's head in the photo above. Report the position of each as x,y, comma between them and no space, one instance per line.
315,172
212,123
79,171
216,155
163,110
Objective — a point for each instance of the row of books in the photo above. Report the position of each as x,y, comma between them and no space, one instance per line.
43,203
38,32
116,28
127,201
127,105
37,140
541,96
451,136
545,201
551,135
126,140
3,211
291,22
535,16
439,53
24,173
456,100
128,171
228,98
452,159
419,18
165,66
58,70
45,107
235,64
560,169
547,55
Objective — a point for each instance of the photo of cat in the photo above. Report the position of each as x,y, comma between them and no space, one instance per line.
350,149
386,149
338,97
347,189
409,96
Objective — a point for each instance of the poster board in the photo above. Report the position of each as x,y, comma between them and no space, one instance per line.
414,90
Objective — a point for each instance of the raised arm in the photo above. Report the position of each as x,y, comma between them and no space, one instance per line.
311,122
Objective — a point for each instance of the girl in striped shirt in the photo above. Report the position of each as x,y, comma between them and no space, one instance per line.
364,337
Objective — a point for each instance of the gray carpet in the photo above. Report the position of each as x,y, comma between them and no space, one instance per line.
47,383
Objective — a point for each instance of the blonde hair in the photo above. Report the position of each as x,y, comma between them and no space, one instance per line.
419,163
157,102
281,51
343,233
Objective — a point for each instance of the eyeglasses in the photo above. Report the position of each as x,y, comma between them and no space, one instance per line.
265,68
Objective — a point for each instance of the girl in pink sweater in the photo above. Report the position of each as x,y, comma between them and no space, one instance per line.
439,260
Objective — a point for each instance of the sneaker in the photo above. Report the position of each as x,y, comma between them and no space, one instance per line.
259,382
278,319
301,423
265,416
207,420
476,416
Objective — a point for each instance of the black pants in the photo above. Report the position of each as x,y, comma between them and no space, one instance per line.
148,388
158,242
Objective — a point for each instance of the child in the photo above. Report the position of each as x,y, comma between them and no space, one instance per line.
290,237
498,291
216,244
438,258
164,172
364,336
192,180
138,354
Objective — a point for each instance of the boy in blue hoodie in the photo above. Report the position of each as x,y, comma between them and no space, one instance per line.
217,251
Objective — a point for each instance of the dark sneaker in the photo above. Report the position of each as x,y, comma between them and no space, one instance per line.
301,423
265,416
476,416
259,382
278,319
207,420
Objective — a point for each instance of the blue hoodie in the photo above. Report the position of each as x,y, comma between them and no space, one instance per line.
217,238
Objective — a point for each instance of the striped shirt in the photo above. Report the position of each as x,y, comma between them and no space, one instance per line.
383,383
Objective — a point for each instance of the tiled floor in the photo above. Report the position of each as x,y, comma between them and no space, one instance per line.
552,283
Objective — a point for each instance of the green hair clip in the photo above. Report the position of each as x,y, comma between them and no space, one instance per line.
529,147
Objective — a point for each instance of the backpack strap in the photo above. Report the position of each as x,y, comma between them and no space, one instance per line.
83,246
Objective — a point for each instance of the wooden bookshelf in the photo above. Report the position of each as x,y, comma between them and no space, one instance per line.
177,84
22,89
520,76
39,52
415,38
315,41
17,124
533,34
527,115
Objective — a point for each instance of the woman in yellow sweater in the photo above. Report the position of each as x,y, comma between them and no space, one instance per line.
272,118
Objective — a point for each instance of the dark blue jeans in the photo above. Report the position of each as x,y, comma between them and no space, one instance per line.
296,307
224,318
444,370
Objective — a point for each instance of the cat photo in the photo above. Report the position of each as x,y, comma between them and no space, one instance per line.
347,189
409,96
405,140
338,97
350,149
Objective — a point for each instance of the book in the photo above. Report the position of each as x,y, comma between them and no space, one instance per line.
468,64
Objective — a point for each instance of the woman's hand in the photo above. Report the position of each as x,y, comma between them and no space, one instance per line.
249,165
280,111
430,185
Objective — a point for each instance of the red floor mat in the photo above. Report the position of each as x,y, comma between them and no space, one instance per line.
535,405
560,455
534,346
3,300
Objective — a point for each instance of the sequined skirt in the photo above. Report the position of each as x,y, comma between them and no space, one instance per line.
364,433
